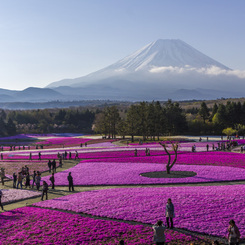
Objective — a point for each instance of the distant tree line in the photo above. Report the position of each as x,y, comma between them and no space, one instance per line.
150,120
74,120
218,118
147,119
155,119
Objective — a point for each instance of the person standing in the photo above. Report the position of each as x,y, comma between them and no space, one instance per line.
233,233
1,194
60,162
54,166
52,180
14,180
38,180
45,190
170,213
39,156
28,180
135,152
34,178
70,180
19,178
2,175
159,236
76,155
49,166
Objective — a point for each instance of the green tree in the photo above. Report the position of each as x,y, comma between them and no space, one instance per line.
204,112
229,131
175,118
132,121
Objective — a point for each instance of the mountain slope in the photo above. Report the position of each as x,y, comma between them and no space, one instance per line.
161,53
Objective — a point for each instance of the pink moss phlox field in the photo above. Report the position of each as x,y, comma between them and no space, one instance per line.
30,225
66,141
10,195
229,159
205,209
106,173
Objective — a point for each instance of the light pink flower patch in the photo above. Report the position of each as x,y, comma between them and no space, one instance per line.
10,195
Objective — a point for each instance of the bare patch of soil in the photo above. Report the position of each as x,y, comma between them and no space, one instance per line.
173,174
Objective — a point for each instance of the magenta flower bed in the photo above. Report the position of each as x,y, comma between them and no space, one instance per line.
10,195
198,158
205,209
100,173
66,141
30,225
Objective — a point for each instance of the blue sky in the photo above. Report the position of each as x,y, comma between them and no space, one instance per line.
49,40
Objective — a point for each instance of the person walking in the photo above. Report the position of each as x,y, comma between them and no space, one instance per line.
38,180
70,180
14,180
1,194
52,180
19,178
45,190
170,213
159,236
233,233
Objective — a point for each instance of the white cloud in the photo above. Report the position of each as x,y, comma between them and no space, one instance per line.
212,71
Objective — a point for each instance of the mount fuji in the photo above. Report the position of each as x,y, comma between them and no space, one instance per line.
162,69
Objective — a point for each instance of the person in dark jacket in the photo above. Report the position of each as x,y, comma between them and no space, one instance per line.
170,213
34,178
233,233
28,180
52,180
54,165
70,180
14,180
49,166
1,194
45,190
159,236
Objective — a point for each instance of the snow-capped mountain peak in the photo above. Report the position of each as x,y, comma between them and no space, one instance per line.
165,53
